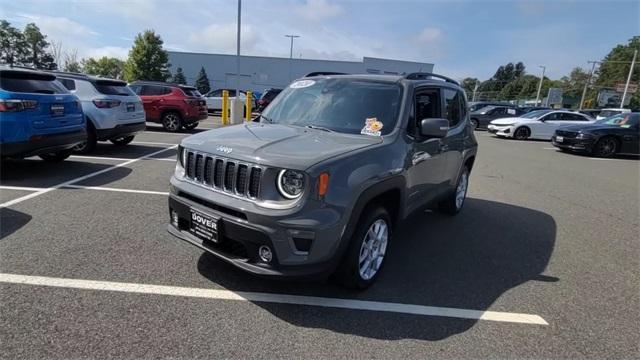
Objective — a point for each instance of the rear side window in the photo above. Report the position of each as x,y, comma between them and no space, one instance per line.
453,107
113,88
68,83
24,82
154,90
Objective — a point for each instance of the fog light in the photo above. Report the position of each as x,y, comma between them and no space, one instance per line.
264,252
174,218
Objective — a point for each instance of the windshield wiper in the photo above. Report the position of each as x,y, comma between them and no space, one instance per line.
270,121
319,128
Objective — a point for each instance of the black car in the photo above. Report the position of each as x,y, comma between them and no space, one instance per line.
614,135
475,106
267,97
528,109
480,119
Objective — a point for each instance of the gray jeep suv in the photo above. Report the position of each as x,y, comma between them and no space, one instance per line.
317,186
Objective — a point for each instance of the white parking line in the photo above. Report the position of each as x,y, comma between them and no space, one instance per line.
100,188
116,159
273,298
84,177
548,148
151,143
19,188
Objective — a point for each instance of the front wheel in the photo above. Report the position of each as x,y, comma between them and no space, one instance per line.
454,202
56,156
367,249
171,122
474,124
123,140
522,133
605,147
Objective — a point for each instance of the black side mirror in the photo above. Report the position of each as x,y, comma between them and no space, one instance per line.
434,127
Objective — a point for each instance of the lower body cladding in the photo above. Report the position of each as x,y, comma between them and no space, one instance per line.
120,131
573,144
273,246
41,144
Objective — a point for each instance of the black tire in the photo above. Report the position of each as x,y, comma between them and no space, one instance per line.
522,133
172,121
191,126
56,156
474,124
123,140
606,147
348,272
89,145
450,204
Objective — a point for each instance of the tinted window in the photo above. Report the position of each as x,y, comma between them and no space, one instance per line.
426,106
68,83
155,90
135,88
113,88
269,95
24,82
453,106
343,105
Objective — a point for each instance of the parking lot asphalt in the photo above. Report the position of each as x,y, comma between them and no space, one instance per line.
543,235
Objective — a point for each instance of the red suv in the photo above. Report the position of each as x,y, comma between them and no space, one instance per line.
172,105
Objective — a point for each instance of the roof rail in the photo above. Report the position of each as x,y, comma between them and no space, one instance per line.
152,82
423,76
324,73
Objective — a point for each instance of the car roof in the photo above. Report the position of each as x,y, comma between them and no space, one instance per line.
91,78
417,79
5,69
160,83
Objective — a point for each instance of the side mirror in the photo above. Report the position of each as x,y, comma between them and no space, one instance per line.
434,127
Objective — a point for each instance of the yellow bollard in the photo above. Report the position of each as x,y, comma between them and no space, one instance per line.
225,107
248,106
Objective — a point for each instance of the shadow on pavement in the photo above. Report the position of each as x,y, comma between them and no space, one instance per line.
42,174
467,262
131,151
12,221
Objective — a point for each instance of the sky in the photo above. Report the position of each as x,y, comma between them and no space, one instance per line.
462,38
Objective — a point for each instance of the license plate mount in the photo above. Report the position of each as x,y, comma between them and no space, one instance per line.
559,139
204,226
57,109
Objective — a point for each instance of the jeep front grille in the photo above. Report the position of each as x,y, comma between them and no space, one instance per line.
223,174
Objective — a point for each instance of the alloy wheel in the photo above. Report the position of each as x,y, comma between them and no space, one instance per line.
373,249
461,190
171,122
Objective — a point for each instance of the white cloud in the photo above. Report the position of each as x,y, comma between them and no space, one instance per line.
59,26
109,51
429,36
318,10
222,38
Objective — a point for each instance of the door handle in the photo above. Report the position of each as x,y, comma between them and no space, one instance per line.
419,157
444,147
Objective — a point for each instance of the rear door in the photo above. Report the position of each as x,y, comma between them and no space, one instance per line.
631,134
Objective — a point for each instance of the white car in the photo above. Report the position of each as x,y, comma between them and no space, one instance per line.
214,99
605,113
539,124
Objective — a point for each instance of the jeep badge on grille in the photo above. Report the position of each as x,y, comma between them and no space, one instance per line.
224,149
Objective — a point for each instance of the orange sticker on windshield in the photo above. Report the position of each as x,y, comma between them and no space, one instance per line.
372,127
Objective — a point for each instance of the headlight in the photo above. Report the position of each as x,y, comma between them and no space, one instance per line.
179,171
290,183
503,124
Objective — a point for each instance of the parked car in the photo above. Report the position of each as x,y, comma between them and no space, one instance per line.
618,134
214,99
539,124
175,106
319,184
526,109
475,106
38,116
266,98
605,113
591,112
480,119
113,112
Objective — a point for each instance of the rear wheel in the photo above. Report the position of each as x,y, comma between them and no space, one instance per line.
364,257
605,147
89,145
474,124
123,140
171,121
56,156
191,126
522,133
454,202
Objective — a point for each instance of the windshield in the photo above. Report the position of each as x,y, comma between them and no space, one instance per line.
534,114
608,113
483,110
337,104
622,120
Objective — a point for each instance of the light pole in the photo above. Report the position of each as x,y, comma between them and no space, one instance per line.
540,85
584,91
291,50
626,86
238,51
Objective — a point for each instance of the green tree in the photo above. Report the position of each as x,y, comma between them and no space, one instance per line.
573,84
202,82
179,78
611,73
12,44
105,66
147,60
469,84
36,53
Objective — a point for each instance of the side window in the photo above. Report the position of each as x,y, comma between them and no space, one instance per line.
426,105
453,107
68,83
551,117
166,90
135,89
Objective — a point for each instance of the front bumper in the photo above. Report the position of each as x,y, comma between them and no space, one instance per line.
574,144
241,232
42,144
500,130
120,131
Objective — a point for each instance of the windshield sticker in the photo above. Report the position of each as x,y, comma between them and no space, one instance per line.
625,126
372,127
302,84
511,111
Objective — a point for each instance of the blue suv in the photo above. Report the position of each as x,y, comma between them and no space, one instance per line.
38,116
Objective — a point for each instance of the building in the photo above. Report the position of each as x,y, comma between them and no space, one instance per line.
259,72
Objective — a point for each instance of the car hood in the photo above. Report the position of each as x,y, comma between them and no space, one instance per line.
509,120
588,127
277,145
